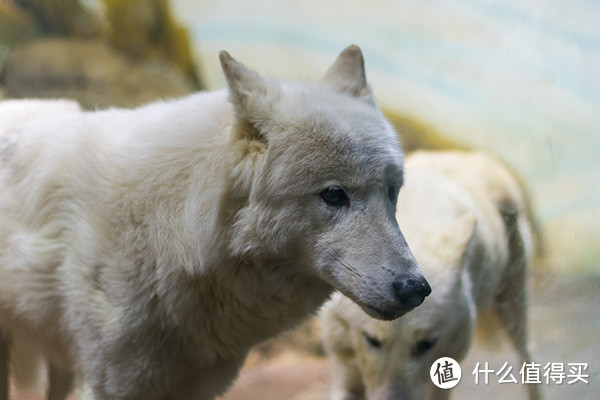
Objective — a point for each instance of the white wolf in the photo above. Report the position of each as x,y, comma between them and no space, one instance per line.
466,219
145,251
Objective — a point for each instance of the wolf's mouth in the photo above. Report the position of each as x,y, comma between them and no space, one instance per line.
385,315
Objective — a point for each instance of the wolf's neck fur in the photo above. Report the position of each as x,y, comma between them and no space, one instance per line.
176,270
255,302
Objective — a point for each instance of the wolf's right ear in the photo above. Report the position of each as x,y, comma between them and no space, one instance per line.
249,93
347,74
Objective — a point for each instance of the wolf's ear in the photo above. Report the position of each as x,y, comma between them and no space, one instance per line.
454,239
464,229
347,74
249,93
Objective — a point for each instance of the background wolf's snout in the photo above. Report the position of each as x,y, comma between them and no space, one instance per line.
411,292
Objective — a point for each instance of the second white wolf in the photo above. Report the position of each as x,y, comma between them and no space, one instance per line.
467,220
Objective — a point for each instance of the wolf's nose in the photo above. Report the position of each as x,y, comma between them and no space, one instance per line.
411,292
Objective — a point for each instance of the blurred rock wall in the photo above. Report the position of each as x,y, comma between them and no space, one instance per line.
100,52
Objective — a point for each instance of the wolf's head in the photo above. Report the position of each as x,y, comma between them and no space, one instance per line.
326,169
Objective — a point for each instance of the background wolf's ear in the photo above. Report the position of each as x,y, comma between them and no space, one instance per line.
249,94
347,74
453,240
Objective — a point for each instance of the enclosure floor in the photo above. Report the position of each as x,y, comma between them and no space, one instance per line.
565,328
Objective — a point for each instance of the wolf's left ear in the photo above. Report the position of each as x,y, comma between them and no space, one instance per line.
248,90
347,74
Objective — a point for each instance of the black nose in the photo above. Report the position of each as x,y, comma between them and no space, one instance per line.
411,292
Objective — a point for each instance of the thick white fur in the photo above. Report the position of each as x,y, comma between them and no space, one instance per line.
145,251
465,218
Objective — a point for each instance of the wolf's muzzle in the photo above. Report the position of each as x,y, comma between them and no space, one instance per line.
410,292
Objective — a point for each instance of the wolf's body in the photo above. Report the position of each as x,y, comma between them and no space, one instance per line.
145,251
466,219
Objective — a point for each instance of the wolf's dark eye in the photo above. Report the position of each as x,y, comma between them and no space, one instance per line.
393,193
423,346
335,196
372,340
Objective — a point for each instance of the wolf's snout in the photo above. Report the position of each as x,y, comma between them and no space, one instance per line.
410,292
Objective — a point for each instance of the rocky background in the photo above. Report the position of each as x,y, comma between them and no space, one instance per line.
121,53
102,53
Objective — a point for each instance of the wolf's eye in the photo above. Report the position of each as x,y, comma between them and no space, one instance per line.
372,340
335,196
393,194
423,346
